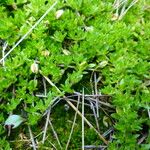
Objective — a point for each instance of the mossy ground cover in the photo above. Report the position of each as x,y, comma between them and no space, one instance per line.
99,47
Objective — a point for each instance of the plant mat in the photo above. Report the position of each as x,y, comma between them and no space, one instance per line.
61,127
55,54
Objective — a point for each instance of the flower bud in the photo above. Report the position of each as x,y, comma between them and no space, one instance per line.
34,67
66,52
89,29
45,53
103,63
115,17
59,13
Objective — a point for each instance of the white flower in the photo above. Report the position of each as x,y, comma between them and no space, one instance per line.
59,13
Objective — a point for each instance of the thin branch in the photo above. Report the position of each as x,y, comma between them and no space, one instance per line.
76,95
87,97
50,105
72,100
118,4
83,120
148,110
110,130
44,84
132,3
96,92
30,30
148,113
94,147
52,145
41,95
140,141
55,134
103,103
38,134
91,83
123,7
96,120
73,124
93,99
55,102
32,138
51,83
46,125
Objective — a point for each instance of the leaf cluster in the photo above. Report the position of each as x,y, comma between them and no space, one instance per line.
65,48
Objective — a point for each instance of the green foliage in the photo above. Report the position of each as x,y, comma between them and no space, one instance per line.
118,50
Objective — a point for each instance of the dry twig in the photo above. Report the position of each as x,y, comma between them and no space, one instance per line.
122,7
46,125
32,138
96,92
55,134
73,124
96,120
83,120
